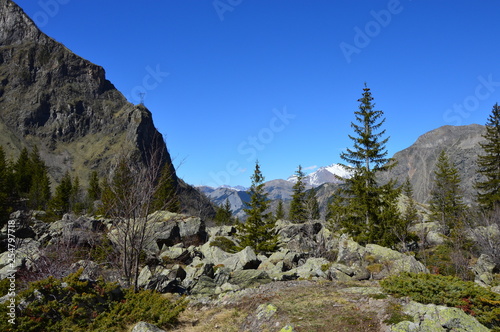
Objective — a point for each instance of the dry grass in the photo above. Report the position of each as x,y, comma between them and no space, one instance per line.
308,306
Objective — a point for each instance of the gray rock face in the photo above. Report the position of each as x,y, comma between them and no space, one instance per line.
417,162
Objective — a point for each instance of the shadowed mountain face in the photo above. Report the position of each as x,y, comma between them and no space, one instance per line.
63,104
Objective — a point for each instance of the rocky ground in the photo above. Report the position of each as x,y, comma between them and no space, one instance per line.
317,281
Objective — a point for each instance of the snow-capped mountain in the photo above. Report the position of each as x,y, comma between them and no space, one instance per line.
323,175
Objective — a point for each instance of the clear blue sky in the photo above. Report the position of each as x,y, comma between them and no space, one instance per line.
229,81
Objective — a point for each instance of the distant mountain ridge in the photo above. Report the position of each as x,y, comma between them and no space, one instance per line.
326,174
417,162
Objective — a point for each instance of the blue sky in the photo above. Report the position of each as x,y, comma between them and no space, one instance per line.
230,81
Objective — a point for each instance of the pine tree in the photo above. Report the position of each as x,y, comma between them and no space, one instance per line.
312,206
224,214
369,210
258,231
280,211
298,213
446,203
166,197
22,174
5,188
39,189
61,202
489,163
94,190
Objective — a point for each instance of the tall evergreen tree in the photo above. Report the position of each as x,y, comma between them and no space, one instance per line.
166,196
224,214
446,203
39,190
258,231
61,202
94,190
489,163
6,190
22,173
280,211
370,209
298,211
312,205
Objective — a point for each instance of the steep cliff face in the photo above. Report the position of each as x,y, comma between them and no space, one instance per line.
63,104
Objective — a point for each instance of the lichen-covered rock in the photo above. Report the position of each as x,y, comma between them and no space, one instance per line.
483,270
313,268
242,260
204,286
433,318
249,278
146,327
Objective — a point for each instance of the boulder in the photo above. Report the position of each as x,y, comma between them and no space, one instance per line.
146,327
204,286
349,251
243,260
26,254
213,254
483,270
249,278
430,317
391,261
313,268
91,270
192,231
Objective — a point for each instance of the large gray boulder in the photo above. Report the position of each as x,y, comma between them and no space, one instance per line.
249,278
434,318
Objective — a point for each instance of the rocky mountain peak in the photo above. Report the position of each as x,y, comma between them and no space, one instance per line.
15,26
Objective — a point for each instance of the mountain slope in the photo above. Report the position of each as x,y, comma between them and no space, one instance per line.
461,144
63,104
326,174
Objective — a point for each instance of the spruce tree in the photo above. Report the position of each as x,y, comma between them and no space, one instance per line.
5,188
94,190
258,231
166,197
280,211
488,190
61,202
312,205
446,203
298,213
22,173
224,214
370,210
39,189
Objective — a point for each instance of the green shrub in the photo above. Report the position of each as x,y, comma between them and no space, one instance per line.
450,291
148,306
225,244
71,304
